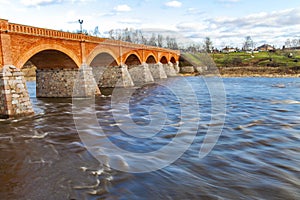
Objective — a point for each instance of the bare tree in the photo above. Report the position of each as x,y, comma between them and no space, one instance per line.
208,44
160,39
96,31
249,44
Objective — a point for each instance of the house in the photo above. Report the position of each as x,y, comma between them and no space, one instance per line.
228,50
266,47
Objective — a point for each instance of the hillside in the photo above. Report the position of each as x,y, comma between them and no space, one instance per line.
269,64
279,63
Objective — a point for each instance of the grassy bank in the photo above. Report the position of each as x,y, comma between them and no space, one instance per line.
269,64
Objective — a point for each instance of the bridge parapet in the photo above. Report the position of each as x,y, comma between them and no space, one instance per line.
6,26
19,28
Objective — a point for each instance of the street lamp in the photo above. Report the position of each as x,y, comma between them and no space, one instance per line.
80,22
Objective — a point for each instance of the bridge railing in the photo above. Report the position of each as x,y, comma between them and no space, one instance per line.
24,29
19,28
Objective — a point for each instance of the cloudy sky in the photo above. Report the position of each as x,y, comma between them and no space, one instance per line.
226,22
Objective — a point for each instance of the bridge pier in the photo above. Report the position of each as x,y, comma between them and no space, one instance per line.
176,67
157,71
14,97
112,76
169,69
141,74
66,83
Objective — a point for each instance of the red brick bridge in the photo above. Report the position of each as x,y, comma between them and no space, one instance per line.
63,57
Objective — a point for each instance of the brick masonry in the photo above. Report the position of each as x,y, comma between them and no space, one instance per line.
14,97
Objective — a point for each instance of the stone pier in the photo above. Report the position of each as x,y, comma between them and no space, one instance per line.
169,69
157,71
176,67
141,74
85,84
112,76
14,97
65,83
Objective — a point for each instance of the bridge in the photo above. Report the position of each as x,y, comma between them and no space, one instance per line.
64,59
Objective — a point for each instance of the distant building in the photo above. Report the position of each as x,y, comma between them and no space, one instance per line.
228,50
265,47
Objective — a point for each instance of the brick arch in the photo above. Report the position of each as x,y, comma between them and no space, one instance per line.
44,47
173,60
151,59
99,50
163,60
132,58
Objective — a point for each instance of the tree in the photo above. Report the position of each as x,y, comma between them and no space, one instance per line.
96,31
160,40
295,42
126,35
207,45
152,40
249,44
111,34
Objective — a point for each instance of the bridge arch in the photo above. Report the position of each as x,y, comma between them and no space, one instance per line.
172,60
104,59
151,59
102,56
132,59
164,60
50,52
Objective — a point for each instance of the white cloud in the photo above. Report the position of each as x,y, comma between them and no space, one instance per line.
194,11
122,8
4,2
39,2
130,21
173,4
273,27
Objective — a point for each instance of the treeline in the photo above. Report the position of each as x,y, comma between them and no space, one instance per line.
151,38
146,38
292,43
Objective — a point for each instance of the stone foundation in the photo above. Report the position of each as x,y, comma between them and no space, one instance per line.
187,69
112,76
14,97
85,84
60,83
169,69
141,74
157,71
176,67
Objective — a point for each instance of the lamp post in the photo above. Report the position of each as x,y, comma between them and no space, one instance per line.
80,22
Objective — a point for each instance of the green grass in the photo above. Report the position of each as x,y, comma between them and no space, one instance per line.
270,59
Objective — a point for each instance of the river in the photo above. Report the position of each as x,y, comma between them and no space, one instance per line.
256,155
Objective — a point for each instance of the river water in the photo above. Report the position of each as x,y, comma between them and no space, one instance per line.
257,155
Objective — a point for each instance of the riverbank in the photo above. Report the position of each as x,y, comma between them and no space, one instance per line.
242,64
254,71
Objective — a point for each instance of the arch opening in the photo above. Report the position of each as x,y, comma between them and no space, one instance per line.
104,59
151,60
52,59
132,60
164,60
50,73
173,60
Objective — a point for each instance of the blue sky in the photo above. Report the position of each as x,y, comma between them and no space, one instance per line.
226,22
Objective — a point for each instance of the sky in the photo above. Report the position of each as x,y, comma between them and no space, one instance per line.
225,22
